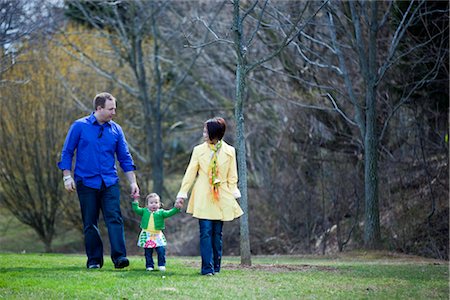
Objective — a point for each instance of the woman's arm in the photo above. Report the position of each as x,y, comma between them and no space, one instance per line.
233,176
189,175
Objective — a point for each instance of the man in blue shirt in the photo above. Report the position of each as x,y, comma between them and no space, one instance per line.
97,141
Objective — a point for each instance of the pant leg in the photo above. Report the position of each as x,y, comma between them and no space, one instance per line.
110,200
149,258
206,246
217,244
90,210
161,251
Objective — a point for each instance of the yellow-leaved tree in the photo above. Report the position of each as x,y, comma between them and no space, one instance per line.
36,114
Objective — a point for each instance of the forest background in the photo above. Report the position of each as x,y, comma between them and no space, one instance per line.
345,139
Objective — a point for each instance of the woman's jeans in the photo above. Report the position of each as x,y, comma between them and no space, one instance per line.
210,245
160,251
106,199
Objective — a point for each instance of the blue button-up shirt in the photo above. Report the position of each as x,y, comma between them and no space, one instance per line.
96,146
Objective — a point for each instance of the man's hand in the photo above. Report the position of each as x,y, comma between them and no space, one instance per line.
135,197
134,190
69,183
133,184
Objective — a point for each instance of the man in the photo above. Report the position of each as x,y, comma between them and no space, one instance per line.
97,140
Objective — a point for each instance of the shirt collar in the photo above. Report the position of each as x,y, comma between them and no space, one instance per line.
93,120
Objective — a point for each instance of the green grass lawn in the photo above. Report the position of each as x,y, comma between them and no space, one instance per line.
350,276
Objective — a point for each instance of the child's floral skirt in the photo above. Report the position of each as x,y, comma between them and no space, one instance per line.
149,239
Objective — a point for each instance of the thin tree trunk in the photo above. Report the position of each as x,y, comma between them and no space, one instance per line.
242,167
241,74
372,234
158,151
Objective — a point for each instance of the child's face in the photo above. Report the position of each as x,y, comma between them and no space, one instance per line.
153,204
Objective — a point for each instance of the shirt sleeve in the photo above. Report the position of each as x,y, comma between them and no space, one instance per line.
137,209
70,144
123,154
171,212
189,175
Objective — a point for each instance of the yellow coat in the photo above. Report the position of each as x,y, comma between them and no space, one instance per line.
201,204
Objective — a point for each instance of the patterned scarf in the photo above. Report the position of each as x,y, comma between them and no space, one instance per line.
213,170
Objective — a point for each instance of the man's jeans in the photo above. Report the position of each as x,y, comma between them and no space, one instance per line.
161,251
210,245
106,199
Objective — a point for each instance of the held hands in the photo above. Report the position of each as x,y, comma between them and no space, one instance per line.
134,191
135,197
179,203
69,183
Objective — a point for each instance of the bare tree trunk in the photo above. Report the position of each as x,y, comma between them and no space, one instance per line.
240,133
372,234
158,151
242,69
242,167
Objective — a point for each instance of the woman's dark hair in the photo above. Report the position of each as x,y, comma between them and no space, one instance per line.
216,128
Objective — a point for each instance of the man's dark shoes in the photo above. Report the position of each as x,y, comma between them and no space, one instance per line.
122,263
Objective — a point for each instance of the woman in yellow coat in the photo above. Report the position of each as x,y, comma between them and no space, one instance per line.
213,196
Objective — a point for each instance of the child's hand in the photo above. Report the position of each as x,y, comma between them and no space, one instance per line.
135,197
179,203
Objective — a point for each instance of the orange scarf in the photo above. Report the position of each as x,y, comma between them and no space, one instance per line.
213,170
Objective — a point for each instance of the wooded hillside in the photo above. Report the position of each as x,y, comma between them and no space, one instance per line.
338,111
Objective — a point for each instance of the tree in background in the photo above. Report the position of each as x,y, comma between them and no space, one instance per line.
247,24
32,115
17,22
145,38
29,188
363,48
304,151
36,112
242,45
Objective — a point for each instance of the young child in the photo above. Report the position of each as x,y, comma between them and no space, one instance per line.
152,224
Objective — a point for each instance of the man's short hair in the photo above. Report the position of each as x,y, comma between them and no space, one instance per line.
101,98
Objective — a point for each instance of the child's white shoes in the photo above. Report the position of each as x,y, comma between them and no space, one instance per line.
161,268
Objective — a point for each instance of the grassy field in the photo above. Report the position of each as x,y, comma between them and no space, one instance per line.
351,276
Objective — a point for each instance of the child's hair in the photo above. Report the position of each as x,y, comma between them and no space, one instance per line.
154,195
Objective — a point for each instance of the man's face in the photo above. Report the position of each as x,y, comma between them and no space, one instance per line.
106,114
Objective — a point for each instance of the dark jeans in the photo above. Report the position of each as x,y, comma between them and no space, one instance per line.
161,251
106,199
210,245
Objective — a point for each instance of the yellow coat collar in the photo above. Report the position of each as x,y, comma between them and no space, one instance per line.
225,152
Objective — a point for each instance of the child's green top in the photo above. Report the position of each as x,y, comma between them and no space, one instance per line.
158,216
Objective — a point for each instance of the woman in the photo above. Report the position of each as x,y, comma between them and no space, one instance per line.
213,197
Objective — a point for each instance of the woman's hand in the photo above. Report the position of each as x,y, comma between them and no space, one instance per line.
179,203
